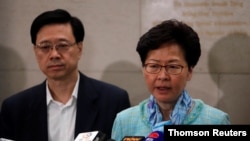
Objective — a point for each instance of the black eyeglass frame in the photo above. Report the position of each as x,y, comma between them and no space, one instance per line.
168,68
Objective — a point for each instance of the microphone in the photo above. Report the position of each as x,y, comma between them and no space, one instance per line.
133,138
91,136
155,136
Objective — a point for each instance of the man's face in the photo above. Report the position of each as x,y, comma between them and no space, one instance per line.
59,62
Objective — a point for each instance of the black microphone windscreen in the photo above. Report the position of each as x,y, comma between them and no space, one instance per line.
110,140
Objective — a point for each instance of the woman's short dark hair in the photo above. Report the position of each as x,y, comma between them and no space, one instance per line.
171,31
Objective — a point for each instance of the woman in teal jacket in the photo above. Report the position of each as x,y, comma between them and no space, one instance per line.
168,52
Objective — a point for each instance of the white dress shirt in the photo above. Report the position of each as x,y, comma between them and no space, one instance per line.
61,117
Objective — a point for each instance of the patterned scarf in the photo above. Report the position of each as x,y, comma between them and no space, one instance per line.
177,116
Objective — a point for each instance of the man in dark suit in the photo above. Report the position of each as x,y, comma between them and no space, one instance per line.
67,102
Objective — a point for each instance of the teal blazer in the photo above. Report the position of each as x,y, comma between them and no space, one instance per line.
134,121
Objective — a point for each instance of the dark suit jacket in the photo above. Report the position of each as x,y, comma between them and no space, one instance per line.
23,116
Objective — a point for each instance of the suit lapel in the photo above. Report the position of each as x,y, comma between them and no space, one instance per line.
37,118
86,107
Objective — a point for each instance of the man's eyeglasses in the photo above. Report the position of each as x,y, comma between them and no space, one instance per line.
156,68
60,47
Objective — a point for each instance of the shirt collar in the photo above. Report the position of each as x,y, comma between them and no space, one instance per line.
74,93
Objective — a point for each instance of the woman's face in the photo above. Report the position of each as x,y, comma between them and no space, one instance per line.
165,87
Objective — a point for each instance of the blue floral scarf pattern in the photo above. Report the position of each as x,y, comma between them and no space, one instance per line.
177,116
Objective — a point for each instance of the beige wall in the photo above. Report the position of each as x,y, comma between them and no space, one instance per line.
113,28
